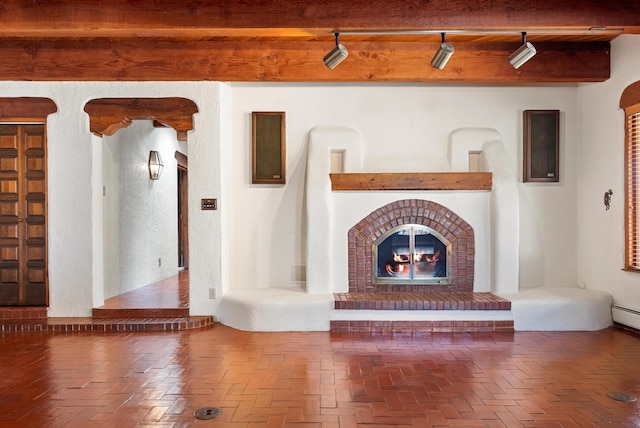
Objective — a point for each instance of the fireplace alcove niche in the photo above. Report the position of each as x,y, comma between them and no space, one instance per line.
432,289
437,229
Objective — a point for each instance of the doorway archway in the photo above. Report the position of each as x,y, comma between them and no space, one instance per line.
108,115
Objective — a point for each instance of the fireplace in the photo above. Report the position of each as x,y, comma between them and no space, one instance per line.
413,254
411,245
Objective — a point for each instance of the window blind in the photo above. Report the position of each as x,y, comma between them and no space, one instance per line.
633,191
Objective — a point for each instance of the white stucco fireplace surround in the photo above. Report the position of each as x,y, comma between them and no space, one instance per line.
492,216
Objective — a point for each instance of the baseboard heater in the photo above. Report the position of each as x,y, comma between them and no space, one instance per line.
626,316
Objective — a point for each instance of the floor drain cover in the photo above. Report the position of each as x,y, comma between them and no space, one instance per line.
206,413
622,396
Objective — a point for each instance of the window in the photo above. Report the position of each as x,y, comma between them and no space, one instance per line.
630,102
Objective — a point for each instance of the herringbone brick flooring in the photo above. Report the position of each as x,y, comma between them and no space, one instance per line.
328,380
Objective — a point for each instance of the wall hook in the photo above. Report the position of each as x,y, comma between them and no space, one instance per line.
607,199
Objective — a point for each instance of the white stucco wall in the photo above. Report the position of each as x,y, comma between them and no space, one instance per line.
74,193
257,236
601,161
403,127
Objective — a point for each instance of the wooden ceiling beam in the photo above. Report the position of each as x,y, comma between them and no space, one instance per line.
254,18
295,61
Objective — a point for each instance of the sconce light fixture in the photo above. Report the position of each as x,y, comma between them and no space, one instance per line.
155,165
523,54
442,56
336,55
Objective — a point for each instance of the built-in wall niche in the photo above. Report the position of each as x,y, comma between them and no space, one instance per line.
337,161
475,161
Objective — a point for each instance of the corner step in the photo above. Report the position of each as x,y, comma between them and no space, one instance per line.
67,325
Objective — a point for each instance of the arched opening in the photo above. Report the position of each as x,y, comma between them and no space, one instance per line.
142,227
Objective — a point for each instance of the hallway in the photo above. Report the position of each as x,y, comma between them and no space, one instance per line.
166,298
158,379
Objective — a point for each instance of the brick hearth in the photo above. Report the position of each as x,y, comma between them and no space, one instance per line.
461,302
406,301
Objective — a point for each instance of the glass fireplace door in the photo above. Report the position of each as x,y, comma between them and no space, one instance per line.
411,253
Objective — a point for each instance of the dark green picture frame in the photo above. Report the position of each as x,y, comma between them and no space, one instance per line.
268,148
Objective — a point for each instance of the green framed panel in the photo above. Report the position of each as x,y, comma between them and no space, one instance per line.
268,147
541,148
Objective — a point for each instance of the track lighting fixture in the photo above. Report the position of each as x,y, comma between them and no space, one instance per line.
523,54
442,56
336,55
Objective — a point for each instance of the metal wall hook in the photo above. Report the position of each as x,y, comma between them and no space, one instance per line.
607,199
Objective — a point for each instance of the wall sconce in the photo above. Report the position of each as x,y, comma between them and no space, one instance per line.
155,165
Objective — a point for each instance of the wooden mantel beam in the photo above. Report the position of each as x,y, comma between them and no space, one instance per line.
295,61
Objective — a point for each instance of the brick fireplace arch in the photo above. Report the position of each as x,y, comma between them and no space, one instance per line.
411,211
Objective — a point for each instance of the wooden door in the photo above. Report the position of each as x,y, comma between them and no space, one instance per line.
23,213
183,218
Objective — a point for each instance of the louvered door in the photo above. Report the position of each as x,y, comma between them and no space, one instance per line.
23,210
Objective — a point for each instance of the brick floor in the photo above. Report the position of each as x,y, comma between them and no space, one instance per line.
326,380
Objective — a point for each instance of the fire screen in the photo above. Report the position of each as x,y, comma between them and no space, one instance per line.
411,254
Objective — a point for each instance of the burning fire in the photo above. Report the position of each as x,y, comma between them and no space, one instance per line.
429,258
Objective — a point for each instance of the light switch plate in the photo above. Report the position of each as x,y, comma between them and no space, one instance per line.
209,204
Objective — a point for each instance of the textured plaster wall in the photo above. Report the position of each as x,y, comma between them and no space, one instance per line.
257,236
601,160
76,262
403,127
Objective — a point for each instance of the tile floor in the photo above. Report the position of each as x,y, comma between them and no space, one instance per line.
158,379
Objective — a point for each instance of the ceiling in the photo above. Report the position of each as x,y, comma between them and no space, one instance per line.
267,40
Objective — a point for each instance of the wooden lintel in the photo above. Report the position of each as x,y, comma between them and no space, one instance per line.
412,181
26,108
296,62
108,115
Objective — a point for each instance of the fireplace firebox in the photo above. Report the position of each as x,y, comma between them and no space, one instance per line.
411,254
435,249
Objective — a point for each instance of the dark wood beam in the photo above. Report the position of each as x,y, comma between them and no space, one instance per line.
264,18
294,61
108,115
26,108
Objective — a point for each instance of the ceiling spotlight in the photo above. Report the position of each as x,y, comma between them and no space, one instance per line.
442,56
523,54
336,55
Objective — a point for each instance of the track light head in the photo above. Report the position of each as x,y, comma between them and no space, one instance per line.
336,55
442,56
523,54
